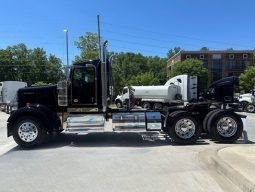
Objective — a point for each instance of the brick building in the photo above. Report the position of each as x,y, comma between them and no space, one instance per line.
220,64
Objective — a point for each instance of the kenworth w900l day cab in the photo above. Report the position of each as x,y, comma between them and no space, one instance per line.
40,111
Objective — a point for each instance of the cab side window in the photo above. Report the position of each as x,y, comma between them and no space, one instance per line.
125,90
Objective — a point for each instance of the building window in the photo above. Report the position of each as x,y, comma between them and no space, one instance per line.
216,69
216,56
231,64
245,64
202,56
245,56
231,56
188,56
205,63
230,74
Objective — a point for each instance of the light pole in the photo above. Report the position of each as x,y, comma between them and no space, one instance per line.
67,53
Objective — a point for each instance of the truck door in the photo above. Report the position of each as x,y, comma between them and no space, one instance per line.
83,86
125,94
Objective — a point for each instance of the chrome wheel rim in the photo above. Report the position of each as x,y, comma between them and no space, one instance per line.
185,128
227,127
28,132
146,106
251,108
118,105
157,106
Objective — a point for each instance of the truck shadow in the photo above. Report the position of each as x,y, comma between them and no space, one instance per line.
110,139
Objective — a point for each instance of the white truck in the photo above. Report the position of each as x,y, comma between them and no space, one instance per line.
247,102
8,93
179,89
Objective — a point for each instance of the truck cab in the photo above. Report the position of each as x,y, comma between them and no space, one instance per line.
223,90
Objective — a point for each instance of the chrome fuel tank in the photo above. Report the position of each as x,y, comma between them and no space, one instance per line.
137,121
129,121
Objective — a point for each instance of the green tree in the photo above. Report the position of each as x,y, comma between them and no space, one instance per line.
19,63
39,83
173,51
136,69
204,49
191,67
88,45
6,65
54,71
247,80
230,49
147,78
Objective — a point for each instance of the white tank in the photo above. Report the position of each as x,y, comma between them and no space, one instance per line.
166,93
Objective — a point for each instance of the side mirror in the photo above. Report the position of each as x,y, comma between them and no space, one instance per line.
179,80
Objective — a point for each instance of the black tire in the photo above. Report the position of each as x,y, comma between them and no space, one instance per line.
225,118
7,109
119,104
25,140
171,115
250,108
178,96
146,105
242,105
158,106
177,134
208,115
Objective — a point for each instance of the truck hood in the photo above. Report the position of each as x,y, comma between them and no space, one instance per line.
44,95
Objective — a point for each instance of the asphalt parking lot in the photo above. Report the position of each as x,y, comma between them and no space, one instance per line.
112,161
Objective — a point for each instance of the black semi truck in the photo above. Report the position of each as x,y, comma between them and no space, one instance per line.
82,101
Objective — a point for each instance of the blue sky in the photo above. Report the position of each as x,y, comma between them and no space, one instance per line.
150,27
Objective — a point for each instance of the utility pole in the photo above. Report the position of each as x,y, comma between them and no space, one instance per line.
99,37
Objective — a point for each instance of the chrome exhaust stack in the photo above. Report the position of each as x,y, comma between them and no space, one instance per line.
104,76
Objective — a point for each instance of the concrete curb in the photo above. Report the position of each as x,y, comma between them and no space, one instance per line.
7,147
237,178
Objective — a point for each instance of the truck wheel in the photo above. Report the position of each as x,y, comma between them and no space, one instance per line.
29,132
146,105
208,115
158,106
225,126
119,104
250,108
242,105
178,96
7,109
183,128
